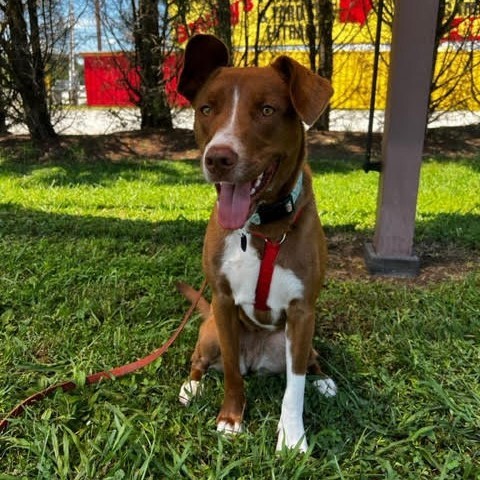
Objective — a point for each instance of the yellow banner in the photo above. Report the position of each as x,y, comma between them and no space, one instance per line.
263,29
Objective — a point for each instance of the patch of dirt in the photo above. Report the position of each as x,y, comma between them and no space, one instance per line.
439,262
448,143
179,144
154,145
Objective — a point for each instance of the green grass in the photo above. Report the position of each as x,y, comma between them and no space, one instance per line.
89,256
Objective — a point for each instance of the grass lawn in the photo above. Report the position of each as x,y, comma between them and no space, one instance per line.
89,255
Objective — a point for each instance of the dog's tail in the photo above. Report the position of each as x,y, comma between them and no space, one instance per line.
191,294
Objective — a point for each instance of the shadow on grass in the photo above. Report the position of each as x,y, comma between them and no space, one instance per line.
103,173
326,163
450,228
321,166
22,222
436,230
442,229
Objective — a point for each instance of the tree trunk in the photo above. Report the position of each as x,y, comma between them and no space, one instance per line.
223,26
311,32
261,15
3,121
4,94
325,68
27,70
154,108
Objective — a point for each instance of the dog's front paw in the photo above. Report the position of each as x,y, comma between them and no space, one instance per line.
291,434
189,390
229,428
326,387
230,417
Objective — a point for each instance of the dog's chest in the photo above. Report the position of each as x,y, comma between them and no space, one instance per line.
241,268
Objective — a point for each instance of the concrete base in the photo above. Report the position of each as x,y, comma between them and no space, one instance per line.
405,267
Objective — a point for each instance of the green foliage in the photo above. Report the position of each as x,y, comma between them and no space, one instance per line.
89,256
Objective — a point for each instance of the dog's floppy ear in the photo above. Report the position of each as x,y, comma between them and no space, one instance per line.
309,92
203,55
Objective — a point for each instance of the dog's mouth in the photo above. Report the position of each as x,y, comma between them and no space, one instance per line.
237,201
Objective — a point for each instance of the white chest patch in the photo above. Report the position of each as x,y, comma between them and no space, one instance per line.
241,269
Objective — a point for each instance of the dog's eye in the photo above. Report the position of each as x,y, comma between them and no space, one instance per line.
267,111
206,110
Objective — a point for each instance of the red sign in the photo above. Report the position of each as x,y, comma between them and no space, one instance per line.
110,79
355,11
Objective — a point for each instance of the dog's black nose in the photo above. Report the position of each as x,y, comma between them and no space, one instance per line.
220,159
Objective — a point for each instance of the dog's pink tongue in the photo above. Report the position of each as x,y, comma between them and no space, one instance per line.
233,205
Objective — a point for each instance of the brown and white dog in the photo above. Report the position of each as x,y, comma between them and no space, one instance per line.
264,253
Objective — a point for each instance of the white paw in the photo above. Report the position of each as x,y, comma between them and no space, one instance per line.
188,391
228,428
291,434
326,387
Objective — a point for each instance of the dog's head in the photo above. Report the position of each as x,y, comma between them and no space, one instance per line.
248,124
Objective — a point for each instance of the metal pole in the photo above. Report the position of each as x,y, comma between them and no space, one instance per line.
98,21
369,165
72,71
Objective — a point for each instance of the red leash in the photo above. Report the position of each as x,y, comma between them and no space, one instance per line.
110,374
